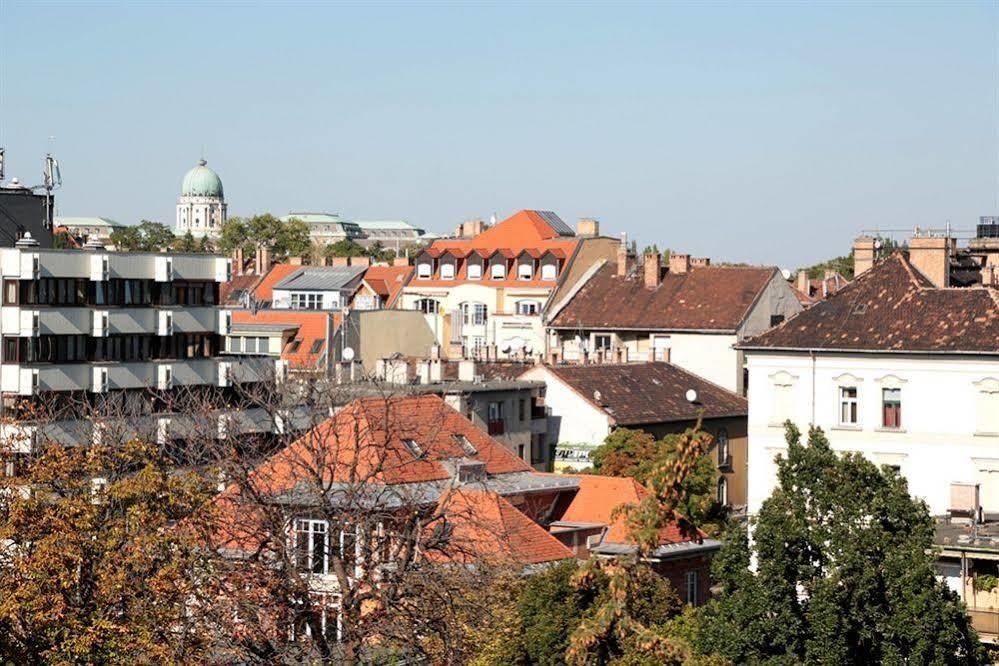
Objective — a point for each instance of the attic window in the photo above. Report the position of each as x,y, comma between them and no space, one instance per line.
860,308
413,447
316,346
293,347
466,445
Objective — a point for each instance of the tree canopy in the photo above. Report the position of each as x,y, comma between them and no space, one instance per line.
843,574
284,238
146,236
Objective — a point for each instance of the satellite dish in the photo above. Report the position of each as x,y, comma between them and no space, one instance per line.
528,350
786,274
348,353
506,349
578,339
597,396
691,395
345,312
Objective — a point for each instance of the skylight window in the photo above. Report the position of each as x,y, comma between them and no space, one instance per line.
413,447
466,445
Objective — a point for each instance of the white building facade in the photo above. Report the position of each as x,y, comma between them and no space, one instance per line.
201,208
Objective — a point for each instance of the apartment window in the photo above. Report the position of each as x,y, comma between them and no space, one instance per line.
602,341
690,587
10,292
891,408
250,345
496,424
548,271
311,541
722,490
473,313
293,346
498,271
782,407
724,459
528,307
306,301
521,450
423,271
447,271
525,271
474,271
263,346
848,405
538,446
988,407
776,319
427,306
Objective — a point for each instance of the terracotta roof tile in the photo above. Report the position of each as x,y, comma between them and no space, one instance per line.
892,307
311,333
642,393
264,291
704,298
388,281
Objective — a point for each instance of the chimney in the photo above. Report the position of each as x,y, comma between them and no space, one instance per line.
863,255
700,262
653,270
294,261
466,370
622,256
360,261
801,282
400,261
263,259
588,226
436,370
553,357
339,261
470,228
237,261
679,263
931,256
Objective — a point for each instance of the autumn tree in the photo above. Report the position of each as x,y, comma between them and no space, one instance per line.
843,572
91,569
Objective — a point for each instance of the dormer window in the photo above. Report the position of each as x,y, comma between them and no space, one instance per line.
413,447
474,271
471,472
498,271
548,271
423,270
447,271
525,271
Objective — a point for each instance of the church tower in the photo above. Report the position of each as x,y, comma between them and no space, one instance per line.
201,207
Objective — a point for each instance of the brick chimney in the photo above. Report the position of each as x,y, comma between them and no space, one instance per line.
400,261
295,261
360,261
653,270
470,228
588,226
679,263
700,262
622,256
931,255
263,260
863,255
237,261
801,282
339,261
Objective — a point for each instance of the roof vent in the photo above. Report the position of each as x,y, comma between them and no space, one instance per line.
26,240
691,395
860,309
470,472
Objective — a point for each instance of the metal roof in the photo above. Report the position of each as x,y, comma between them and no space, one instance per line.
322,278
61,221
556,223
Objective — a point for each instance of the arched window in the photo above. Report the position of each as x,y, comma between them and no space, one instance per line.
525,271
722,490
474,270
498,271
724,458
447,271
548,271
423,270
427,306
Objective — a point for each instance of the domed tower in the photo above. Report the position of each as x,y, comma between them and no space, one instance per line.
201,207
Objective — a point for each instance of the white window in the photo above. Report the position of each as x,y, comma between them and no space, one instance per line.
525,271
988,407
690,587
848,405
474,270
782,408
724,457
427,306
311,545
447,271
306,301
722,490
423,271
498,271
528,307
548,271
602,341
473,314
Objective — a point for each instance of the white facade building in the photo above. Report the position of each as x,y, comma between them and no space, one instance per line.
891,367
201,208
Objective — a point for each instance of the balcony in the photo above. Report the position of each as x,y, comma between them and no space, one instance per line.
496,427
986,623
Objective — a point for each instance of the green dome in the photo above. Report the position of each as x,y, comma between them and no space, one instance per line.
201,182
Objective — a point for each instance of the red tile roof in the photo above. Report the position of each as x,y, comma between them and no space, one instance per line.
238,283
485,526
598,497
644,393
264,291
311,333
388,281
892,307
704,298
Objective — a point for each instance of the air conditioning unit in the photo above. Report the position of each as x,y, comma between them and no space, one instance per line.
225,322
165,323
100,380
164,377
225,374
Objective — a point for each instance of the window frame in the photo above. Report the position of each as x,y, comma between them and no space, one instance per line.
422,274
522,275
690,587
497,271
896,403
549,272
478,270
845,403
448,270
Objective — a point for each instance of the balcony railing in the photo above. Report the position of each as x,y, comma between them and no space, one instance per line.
986,623
496,427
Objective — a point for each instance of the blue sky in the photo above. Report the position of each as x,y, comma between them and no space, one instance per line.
766,132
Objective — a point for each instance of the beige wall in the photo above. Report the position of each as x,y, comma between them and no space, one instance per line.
376,334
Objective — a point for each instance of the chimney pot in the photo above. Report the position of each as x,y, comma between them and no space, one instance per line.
653,270
679,263
588,226
622,256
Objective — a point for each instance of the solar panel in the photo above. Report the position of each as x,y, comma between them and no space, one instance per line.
556,223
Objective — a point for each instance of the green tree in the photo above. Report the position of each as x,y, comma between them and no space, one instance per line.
154,236
186,243
234,234
292,239
61,240
843,574
637,454
127,239
345,248
263,229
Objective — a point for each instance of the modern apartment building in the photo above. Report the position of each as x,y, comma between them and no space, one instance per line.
80,327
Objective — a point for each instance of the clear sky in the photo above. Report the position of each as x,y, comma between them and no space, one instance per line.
765,132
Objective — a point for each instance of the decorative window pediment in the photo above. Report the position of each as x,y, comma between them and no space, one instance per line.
783,378
891,382
846,379
987,385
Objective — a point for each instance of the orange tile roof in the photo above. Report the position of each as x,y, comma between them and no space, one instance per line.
311,332
388,281
596,500
264,291
485,526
